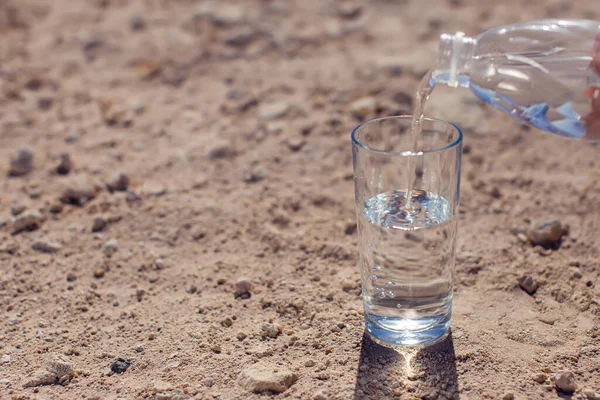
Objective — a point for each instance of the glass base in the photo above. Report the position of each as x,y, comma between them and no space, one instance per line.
398,338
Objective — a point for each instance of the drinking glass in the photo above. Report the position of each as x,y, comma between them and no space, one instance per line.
407,244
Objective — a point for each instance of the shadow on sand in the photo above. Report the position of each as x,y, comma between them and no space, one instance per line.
427,373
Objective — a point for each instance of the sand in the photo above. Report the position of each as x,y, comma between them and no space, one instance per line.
209,144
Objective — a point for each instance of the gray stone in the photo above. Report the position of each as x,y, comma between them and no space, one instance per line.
528,284
118,182
78,191
65,164
269,330
110,247
264,377
99,224
73,136
17,209
220,151
46,246
576,273
243,288
5,359
28,221
137,22
119,365
21,163
565,382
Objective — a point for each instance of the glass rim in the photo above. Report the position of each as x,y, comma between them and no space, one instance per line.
449,146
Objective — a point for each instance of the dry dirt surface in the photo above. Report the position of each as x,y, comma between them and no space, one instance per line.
177,209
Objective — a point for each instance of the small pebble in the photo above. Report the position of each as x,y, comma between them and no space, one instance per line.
220,151
364,107
17,209
99,273
208,381
540,378
565,382
28,221
78,191
576,273
65,165
241,336
227,15
350,10
273,110
46,246
263,377
191,288
296,144
309,363
55,208
321,394
547,234
216,348
528,284
159,263
590,394
110,247
119,182
119,365
71,277
21,163
99,224
508,396
5,359
139,347
73,136
254,176
243,288
227,322
137,22
269,330
241,37
403,98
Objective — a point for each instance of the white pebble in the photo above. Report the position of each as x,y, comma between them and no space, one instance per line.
110,247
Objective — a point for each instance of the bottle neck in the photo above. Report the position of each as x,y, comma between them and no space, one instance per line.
455,51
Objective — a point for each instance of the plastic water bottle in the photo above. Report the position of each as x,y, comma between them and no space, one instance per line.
545,73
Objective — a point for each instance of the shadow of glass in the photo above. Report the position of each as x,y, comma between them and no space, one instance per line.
426,373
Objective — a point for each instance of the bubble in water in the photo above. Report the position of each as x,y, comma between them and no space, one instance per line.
376,267
390,294
374,277
381,295
390,283
398,305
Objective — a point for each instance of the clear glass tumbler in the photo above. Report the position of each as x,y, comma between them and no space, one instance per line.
407,248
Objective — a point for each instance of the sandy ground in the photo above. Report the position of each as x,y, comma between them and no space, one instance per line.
222,130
